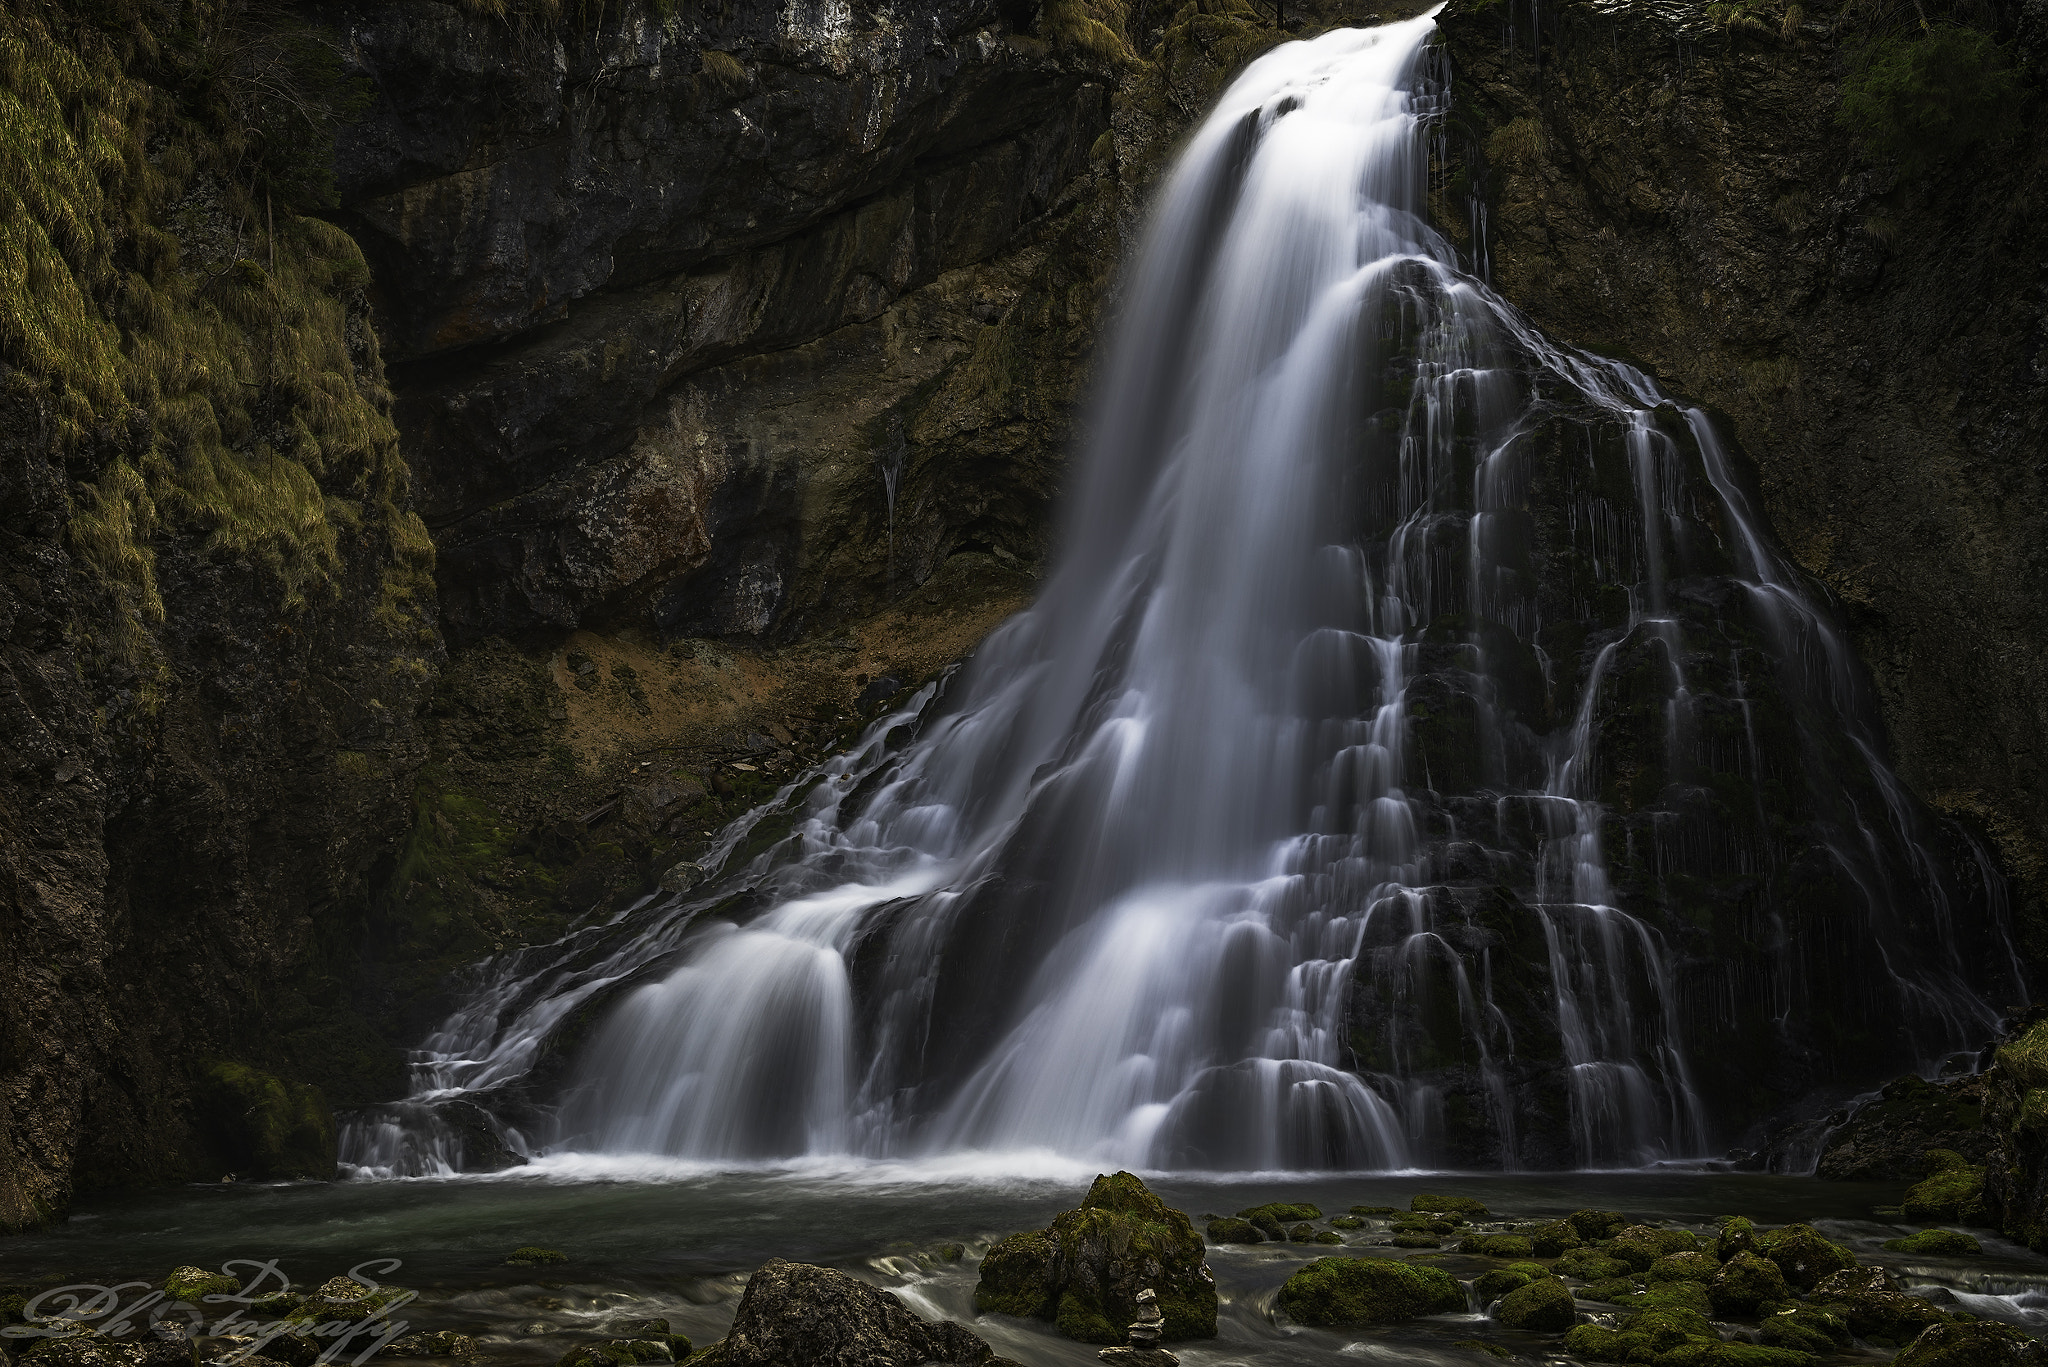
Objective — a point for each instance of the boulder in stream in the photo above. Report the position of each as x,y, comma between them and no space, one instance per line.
802,1315
1346,1291
1085,1271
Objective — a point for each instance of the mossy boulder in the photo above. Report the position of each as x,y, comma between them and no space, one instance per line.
1084,1273
801,1315
1594,1225
1464,1207
446,1343
1229,1229
1872,1303
1613,1289
1671,1296
1591,1265
1682,1267
1542,1307
1346,1222
618,1353
1804,1254
1804,1328
1746,1284
534,1256
1953,1191
1947,1243
1738,1235
1350,1291
1280,1213
1701,1353
1408,1238
193,1284
1491,1286
1497,1245
1641,1245
1982,1344
1639,1338
1556,1238
262,1126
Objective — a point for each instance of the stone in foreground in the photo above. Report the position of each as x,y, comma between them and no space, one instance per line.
801,1315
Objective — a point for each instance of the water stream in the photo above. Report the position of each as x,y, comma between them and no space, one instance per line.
1420,755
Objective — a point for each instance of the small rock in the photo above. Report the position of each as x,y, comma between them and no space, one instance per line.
1543,1307
532,1256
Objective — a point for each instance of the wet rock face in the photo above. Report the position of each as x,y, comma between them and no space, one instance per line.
799,1315
1684,198
663,293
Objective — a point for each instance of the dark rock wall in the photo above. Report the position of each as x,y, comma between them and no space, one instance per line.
1666,192
664,295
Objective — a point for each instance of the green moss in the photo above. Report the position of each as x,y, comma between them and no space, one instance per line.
531,1256
619,1353
1969,1345
1228,1230
1497,1245
1554,1239
1591,1265
1083,1321
1641,1245
1953,1191
1280,1212
1682,1267
1346,1222
1545,1307
1804,1254
1613,1289
2026,1058
1464,1207
1692,1296
1924,98
1745,1284
1806,1329
1347,1291
1938,1242
193,1284
1491,1286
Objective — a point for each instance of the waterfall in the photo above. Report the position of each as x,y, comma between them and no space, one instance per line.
1418,755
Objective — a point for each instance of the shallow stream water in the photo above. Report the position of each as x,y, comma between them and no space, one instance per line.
661,1240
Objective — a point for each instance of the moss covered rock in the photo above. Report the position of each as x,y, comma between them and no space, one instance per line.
1084,1273
1690,1296
1615,1290
1983,1344
1591,1265
1594,1225
618,1353
533,1256
1554,1239
1497,1245
1872,1303
1464,1207
1937,1242
1953,1191
192,1284
1804,1328
1682,1267
1543,1307
1231,1230
1804,1254
1738,1235
1348,1291
1346,1222
1491,1286
1641,1245
1746,1284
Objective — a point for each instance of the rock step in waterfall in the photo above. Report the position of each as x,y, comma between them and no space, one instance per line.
1420,755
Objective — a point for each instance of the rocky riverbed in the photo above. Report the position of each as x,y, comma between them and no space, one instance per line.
1675,1268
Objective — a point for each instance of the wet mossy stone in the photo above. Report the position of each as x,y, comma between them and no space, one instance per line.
1982,1344
1496,1245
193,1284
1641,1245
1556,1238
1327,1237
1804,1254
1531,1270
1346,1222
1302,1233
1700,1353
1610,1290
1347,1291
1085,1271
1738,1235
1229,1229
1952,1191
618,1353
1594,1225
263,1126
652,1329
1642,1337
1872,1303
1280,1213
1745,1284
446,1343
1491,1286
1541,1307
1591,1265
1804,1328
1415,1239
1682,1267
1408,1223
1492,1350
1464,1207
532,1256
1670,1296
1947,1243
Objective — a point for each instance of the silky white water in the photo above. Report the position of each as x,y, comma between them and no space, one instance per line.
1166,878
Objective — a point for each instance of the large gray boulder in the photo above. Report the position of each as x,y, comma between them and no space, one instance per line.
802,1315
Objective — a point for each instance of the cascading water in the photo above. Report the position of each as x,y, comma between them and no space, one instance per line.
1419,756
